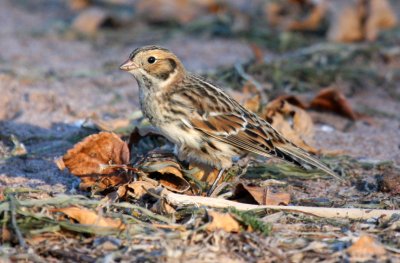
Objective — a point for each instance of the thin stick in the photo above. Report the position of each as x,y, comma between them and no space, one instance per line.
14,224
325,212
239,69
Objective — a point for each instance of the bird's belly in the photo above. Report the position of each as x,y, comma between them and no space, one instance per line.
192,145
179,136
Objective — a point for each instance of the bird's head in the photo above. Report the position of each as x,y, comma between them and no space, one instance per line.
153,66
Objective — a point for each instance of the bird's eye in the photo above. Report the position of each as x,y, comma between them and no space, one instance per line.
151,60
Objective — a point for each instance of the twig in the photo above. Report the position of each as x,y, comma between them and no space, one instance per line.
325,212
14,224
239,69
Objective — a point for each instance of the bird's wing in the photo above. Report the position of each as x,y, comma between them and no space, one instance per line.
214,113
252,134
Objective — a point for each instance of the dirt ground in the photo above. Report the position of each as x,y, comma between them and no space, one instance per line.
52,80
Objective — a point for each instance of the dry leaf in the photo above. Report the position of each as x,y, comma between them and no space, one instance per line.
168,173
5,234
205,173
90,20
94,153
259,195
390,183
181,11
346,21
331,99
358,19
291,121
77,5
381,16
94,156
273,12
139,188
89,217
162,207
249,97
366,248
314,19
220,221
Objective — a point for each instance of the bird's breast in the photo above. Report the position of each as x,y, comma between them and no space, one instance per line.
152,107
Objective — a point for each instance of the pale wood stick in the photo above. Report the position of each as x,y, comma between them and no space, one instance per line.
325,212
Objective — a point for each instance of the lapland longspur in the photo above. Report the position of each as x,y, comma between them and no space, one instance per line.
205,123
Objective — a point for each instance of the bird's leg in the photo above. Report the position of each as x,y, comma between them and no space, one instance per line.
214,185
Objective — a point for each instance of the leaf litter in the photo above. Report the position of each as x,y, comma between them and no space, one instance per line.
132,200
130,212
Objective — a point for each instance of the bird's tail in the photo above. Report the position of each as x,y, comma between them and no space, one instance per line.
294,154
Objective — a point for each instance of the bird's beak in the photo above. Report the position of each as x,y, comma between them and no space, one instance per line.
128,65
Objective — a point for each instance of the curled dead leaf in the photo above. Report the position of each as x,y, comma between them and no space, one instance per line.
162,207
291,121
366,248
90,20
93,158
139,188
95,152
182,11
347,21
221,221
88,217
259,195
314,19
359,20
168,173
77,5
381,17
249,97
331,99
204,173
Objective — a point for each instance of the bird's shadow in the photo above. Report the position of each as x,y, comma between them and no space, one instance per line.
37,169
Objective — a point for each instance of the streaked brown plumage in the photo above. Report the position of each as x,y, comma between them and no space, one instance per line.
205,123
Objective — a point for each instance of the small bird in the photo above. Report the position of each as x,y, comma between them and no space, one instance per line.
205,123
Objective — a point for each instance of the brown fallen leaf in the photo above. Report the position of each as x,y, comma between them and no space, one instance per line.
331,99
249,97
345,23
90,20
205,173
366,248
92,159
162,207
291,121
180,11
139,188
77,5
381,16
314,19
5,234
259,195
390,183
168,173
88,217
359,20
221,221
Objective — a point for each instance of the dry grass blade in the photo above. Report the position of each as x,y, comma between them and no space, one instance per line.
88,217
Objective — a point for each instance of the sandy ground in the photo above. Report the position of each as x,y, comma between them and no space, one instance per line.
51,80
